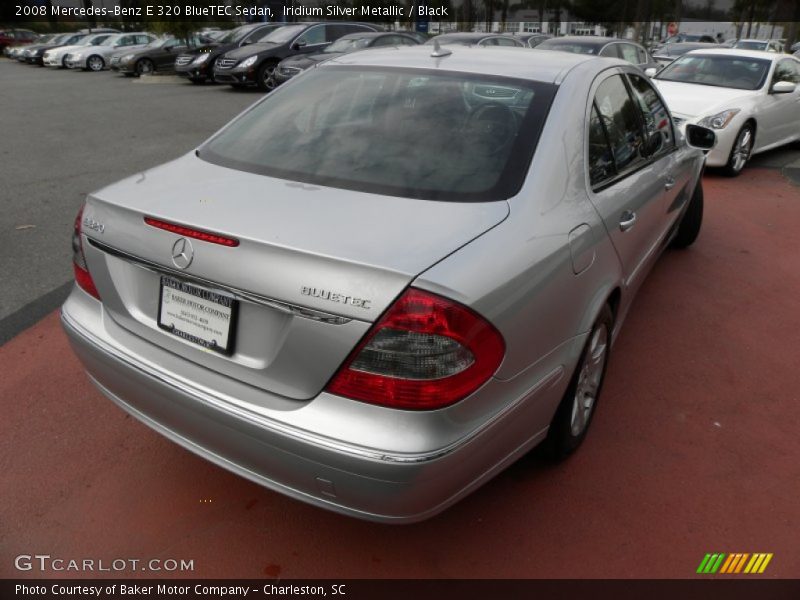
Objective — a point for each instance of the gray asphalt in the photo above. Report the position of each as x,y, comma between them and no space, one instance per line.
66,133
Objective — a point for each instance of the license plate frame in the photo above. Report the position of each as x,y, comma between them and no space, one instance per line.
205,301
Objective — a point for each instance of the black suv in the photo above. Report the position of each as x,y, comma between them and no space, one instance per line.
198,64
255,63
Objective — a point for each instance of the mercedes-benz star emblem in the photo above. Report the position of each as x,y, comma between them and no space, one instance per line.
182,253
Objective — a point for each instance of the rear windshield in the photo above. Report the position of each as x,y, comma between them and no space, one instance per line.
414,133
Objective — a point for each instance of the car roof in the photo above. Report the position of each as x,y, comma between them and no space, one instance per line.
523,63
371,34
587,40
468,35
739,52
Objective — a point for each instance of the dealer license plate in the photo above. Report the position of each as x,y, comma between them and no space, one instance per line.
199,315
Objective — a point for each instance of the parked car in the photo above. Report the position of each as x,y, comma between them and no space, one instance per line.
294,65
197,64
750,98
254,64
34,54
763,45
97,58
667,54
678,38
475,39
531,40
56,57
15,51
729,43
158,55
16,37
394,287
602,46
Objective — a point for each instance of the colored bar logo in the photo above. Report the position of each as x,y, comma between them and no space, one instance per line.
736,563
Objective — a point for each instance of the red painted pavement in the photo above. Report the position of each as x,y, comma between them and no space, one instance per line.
695,448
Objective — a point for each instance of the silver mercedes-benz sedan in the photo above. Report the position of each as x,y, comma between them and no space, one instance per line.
393,276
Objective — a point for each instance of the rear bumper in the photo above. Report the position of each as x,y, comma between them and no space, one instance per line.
337,474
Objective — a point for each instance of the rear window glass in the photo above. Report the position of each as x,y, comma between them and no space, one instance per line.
413,133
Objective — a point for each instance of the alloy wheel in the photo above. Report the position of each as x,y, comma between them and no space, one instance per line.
589,379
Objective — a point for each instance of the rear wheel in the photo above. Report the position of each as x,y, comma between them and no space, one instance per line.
145,66
692,220
740,152
574,415
95,63
265,80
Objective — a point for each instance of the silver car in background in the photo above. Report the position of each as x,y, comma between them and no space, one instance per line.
393,276
97,58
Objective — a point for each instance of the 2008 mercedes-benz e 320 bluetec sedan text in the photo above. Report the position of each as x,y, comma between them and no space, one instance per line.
391,277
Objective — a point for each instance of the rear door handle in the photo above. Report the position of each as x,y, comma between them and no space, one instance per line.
669,183
627,220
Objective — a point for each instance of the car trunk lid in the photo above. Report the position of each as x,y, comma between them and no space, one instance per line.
314,266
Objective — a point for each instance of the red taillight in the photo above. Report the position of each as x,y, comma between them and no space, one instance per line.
197,234
82,276
426,352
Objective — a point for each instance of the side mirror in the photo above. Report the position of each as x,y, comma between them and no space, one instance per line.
700,137
650,71
299,44
783,87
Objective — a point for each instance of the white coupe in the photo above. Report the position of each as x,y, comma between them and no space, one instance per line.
751,99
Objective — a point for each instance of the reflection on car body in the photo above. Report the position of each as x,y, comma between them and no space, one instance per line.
411,272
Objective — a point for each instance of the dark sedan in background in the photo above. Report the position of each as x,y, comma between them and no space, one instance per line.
294,65
255,64
197,64
158,55
602,46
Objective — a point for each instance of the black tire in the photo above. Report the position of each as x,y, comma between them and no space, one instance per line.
95,63
562,437
145,66
264,78
692,220
737,160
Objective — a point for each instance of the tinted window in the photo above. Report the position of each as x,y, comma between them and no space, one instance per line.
787,70
506,42
259,35
619,116
414,133
315,35
389,40
337,31
601,163
654,114
628,52
610,50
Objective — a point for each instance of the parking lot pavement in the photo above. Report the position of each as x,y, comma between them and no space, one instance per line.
64,134
694,448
